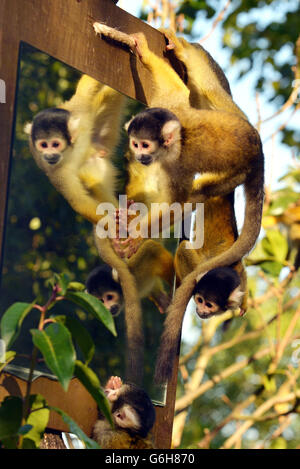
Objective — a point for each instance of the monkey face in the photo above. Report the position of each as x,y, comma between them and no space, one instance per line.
152,134
50,149
127,417
144,150
112,301
52,132
205,308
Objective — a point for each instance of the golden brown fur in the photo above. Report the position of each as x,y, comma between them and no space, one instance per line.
108,438
220,144
86,177
220,233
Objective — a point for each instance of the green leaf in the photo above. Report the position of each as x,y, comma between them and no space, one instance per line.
9,356
56,346
276,245
38,420
258,255
10,420
12,320
74,428
280,204
76,286
272,268
94,306
80,335
91,382
63,281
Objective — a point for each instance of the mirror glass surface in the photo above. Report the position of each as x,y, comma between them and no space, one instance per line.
44,235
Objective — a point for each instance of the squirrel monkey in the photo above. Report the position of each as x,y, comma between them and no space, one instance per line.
222,288
73,145
151,265
133,415
229,153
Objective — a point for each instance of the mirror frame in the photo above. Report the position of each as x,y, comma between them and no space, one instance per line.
40,25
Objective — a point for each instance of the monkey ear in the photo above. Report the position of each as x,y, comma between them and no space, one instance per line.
235,298
115,275
27,128
171,132
126,126
73,125
199,277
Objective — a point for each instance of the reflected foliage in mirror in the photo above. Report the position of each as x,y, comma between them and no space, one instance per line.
44,235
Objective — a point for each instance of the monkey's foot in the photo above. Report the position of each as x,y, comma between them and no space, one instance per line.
122,216
242,312
141,46
127,247
174,43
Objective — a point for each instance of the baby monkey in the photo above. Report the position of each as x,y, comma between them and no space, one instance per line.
217,291
133,415
103,283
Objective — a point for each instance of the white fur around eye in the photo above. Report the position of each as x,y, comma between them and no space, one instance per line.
129,418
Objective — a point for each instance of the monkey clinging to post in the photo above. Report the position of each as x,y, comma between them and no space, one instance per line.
219,144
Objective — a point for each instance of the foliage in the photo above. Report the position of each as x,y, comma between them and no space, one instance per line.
23,421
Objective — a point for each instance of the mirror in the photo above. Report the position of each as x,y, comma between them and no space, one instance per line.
44,235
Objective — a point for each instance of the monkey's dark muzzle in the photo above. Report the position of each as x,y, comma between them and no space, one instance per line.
53,158
145,159
115,310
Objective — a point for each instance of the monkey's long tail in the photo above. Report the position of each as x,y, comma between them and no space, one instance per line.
133,312
169,344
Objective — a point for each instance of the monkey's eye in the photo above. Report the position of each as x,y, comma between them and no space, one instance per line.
209,305
42,145
198,299
55,144
145,145
109,297
135,144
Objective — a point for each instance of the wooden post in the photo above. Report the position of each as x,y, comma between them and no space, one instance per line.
63,29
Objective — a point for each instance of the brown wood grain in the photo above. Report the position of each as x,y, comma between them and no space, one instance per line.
76,402
63,29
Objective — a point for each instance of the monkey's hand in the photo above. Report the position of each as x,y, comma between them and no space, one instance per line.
112,388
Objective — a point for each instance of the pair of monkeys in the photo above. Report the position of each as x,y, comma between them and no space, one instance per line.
189,129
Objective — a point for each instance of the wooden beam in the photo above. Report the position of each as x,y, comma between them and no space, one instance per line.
63,29
85,414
